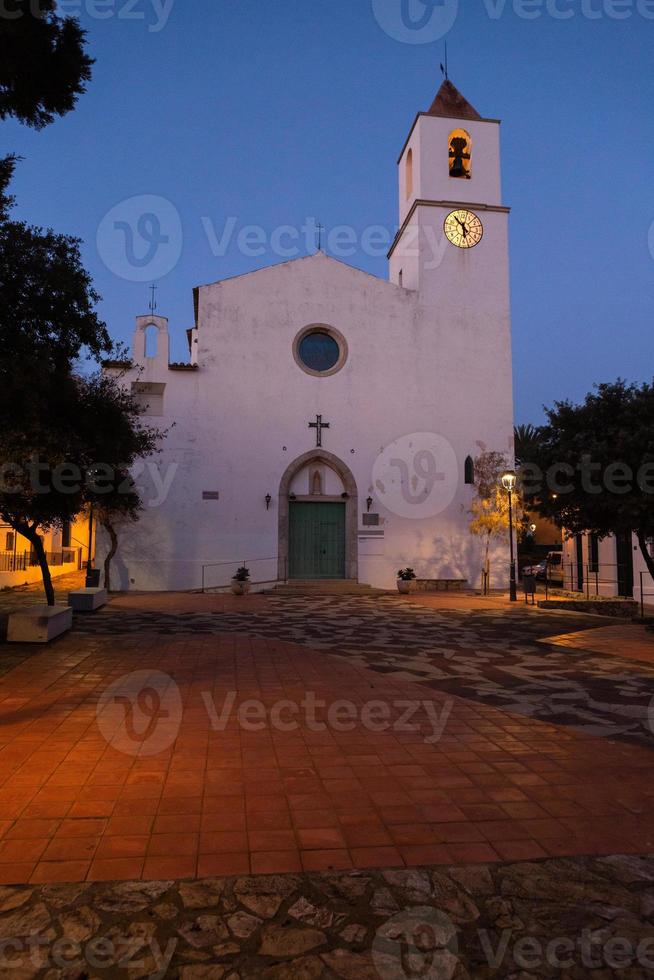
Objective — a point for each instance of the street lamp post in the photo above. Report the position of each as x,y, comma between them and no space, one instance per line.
509,482
89,559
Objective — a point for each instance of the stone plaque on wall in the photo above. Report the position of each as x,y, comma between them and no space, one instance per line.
210,495
371,520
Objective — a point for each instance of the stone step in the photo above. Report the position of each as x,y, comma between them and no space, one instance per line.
323,587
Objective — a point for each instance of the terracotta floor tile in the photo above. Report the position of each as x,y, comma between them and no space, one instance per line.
85,827
125,808
122,847
275,862
59,871
519,850
176,824
273,820
471,853
367,835
16,874
497,830
326,860
162,868
425,854
70,849
234,842
223,864
115,869
47,810
376,857
135,826
442,813
89,808
25,828
320,838
177,805
22,851
163,845
272,840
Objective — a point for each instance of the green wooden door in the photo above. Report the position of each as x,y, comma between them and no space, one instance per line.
316,540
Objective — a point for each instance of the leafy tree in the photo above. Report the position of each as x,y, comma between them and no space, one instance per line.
78,454
43,63
597,462
489,508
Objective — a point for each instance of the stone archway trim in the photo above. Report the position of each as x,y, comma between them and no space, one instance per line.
351,510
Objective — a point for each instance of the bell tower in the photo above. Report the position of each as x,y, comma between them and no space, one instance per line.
451,163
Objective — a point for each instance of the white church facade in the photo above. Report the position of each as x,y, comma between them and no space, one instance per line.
326,421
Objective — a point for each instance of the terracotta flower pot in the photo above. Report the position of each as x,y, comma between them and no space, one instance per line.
240,588
404,585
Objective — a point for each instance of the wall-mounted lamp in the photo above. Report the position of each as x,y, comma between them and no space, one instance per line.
268,501
345,495
291,496
369,503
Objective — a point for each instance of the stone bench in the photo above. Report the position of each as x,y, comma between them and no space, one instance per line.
87,600
440,584
38,624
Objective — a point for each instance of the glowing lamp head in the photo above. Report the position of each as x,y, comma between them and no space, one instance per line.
509,480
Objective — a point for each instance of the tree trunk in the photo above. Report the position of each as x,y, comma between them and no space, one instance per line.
109,528
35,540
649,559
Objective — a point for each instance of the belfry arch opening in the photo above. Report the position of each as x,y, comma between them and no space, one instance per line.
460,154
409,174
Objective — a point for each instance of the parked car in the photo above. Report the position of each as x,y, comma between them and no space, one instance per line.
551,568
539,570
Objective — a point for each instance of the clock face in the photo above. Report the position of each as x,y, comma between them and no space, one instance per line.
463,229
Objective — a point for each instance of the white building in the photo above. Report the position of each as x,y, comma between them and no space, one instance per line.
324,422
67,549
613,566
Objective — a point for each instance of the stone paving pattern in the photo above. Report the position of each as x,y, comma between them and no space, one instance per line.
342,924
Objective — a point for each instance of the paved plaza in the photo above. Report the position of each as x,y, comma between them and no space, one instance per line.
331,742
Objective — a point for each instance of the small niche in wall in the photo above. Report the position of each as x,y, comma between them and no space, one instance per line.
150,396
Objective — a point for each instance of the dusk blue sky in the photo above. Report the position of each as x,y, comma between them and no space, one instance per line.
272,112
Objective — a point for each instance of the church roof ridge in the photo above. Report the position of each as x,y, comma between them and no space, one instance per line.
299,258
451,103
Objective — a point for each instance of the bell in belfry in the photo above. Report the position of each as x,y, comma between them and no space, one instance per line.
459,157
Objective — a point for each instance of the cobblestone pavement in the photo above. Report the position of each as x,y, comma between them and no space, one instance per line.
489,655
572,918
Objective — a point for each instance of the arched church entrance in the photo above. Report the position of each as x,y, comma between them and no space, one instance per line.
318,519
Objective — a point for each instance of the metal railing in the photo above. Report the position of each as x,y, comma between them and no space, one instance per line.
19,562
234,564
10,562
602,580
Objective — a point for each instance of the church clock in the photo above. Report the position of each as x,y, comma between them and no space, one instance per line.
463,228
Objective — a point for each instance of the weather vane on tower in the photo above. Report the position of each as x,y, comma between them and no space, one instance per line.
153,299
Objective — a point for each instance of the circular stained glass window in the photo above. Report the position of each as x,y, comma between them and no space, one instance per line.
319,352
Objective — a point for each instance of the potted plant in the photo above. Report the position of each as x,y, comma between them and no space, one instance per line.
405,579
241,581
